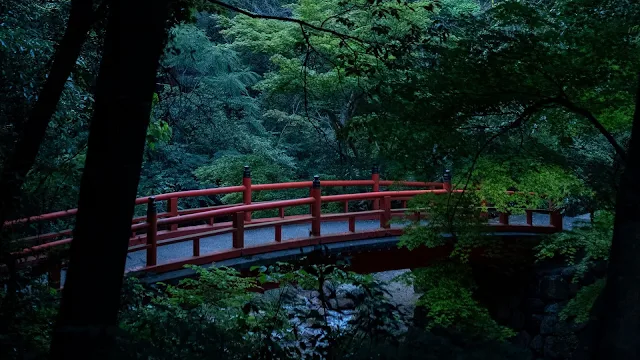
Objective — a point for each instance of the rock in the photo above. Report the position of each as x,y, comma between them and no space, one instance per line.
345,304
534,305
537,344
329,290
522,339
533,324
350,291
559,347
548,324
552,308
568,273
554,288
332,304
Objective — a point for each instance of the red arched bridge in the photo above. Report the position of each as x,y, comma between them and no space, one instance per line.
165,241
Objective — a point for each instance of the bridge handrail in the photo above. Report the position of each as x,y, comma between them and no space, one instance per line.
160,227
228,190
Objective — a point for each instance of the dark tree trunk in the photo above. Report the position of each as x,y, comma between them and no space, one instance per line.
24,154
619,308
91,295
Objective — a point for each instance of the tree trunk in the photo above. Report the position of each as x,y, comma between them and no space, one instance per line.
620,312
24,154
91,296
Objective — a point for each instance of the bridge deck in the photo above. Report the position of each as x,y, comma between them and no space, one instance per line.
166,254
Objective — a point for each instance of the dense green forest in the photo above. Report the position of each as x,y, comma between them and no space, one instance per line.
105,101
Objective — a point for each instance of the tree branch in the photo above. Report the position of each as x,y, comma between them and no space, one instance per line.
285,19
592,119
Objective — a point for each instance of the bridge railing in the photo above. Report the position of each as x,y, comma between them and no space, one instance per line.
139,223
158,229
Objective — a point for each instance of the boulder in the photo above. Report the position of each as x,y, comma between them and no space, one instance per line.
560,347
554,288
533,324
345,303
552,308
537,344
351,292
329,290
548,324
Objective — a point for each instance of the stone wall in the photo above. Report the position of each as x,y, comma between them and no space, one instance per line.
530,300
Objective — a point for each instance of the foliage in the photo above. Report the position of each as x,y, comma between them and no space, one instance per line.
448,298
582,245
579,308
27,318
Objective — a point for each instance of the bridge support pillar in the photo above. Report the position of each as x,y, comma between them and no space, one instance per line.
375,176
246,194
316,207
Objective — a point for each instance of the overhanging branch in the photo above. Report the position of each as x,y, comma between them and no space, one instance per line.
285,19
592,119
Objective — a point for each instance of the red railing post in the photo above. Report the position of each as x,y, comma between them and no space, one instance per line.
446,180
238,232
172,209
484,214
316,207
152,232
246,194
385,216
196,247
555,219
375,176
529,217
504,218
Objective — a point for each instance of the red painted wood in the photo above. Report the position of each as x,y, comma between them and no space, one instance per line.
504,218
229,211
529,217
238,234
196,246
316,211
278,234
555,220
375,177
192,193
152,239
172,209
246,196
352,224
437,185
385,217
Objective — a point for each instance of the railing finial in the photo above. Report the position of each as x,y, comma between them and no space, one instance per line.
447,176
316,181
151,205
247,172
375,169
